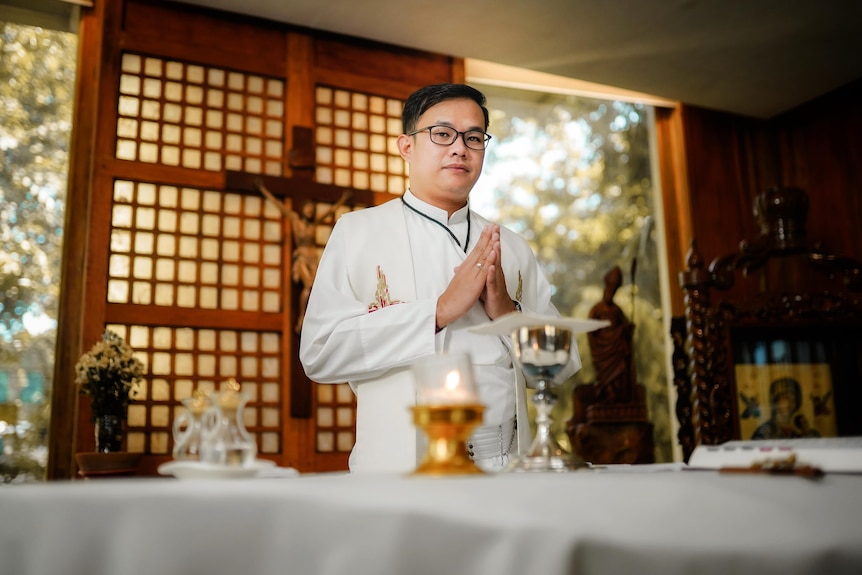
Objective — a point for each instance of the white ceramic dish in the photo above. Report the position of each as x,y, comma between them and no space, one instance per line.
508,323
200,470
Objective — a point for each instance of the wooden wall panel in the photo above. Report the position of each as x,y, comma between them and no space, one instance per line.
821,152
397,71
817,147
675,198
730,161
72,306
180,31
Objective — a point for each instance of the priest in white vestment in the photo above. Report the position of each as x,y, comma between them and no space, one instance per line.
406,279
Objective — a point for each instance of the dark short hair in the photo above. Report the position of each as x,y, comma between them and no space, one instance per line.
423,98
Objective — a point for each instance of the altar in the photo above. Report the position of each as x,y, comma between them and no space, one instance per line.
639,519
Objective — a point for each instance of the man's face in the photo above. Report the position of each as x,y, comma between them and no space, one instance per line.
444,175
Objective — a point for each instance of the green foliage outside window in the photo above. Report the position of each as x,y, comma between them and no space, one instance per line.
573,175
37,79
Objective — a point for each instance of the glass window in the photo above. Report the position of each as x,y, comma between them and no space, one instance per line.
573,175
37,78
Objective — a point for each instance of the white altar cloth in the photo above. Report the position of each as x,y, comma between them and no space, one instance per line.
587,522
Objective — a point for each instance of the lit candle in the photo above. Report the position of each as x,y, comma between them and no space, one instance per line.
453,383
445,380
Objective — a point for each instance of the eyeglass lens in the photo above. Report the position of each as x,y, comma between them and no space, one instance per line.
445,136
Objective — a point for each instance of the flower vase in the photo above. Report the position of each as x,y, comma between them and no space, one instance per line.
109,433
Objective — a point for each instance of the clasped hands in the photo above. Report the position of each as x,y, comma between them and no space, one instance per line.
479,278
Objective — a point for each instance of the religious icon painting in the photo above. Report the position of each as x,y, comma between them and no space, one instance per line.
782,401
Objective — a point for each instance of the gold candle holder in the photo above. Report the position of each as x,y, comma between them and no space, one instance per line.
448,428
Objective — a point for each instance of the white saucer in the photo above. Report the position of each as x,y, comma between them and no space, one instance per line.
510,322
200,470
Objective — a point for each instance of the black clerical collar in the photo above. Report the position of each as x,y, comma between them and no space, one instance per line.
441,224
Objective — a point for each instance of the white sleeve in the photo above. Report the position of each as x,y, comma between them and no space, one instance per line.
342,341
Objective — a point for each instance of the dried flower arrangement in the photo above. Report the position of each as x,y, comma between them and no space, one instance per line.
109,373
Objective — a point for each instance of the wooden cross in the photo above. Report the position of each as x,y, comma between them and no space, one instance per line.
299,190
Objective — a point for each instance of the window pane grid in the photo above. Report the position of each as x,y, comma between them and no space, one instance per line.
335,418
193,248
180,114
355,138
180,361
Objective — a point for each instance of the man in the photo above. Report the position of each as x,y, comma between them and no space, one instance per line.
406,279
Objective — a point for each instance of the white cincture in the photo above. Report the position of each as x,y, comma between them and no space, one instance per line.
489,446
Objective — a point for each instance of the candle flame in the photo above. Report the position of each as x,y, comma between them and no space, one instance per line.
453,380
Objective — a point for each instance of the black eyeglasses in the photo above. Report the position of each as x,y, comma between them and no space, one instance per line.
446,136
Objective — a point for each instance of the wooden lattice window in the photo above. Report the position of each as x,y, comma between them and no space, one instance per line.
192,248
335,418
355,147
199,117
355,137
181,360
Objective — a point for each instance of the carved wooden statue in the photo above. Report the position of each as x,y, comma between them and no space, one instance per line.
611,348
305,253
610,422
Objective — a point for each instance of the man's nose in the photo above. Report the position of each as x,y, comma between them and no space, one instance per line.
459,146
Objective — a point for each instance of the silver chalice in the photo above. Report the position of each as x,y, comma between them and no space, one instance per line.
543,352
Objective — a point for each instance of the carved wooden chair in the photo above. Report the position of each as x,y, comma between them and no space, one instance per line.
781,306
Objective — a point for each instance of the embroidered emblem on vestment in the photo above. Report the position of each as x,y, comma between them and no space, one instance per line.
381,296
520,291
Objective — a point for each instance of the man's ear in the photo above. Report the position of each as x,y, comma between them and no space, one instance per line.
405,146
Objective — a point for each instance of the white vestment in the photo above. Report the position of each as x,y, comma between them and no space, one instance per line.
372,313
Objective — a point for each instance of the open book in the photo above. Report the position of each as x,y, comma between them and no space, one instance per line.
829,454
